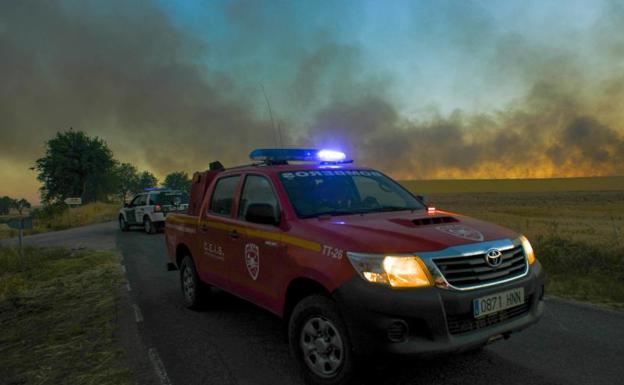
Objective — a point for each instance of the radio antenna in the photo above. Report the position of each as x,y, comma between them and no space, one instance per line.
275,131
279,131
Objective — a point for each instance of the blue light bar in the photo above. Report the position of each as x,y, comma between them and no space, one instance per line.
331,156
153,188
278,155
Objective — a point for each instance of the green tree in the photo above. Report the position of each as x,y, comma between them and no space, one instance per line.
146,180
5,205
178,180
20,205
75,165
126,180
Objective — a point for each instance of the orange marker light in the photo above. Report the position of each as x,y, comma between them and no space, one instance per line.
528,250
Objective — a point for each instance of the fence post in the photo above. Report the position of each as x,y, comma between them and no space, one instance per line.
21,235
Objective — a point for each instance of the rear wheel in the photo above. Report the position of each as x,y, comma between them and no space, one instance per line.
148,226
319,342
194,291
123,225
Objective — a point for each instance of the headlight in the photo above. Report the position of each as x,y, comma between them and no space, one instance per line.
528,249
396,271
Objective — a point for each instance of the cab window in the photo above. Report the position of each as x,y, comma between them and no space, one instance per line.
135,201
142,201
257,189
169,198
223,195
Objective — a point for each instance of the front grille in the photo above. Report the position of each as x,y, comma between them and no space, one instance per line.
469,271
465,323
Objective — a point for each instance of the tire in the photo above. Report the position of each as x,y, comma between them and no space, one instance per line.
148,225
316,324
123,225
194,292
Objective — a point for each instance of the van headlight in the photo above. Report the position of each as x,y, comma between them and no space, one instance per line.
528,249
395,271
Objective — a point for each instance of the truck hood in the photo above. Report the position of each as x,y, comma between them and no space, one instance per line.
401,232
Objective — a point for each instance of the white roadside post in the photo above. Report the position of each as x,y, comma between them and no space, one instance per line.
20,224
74,201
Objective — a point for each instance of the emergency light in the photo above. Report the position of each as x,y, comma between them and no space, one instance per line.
284,155
331,156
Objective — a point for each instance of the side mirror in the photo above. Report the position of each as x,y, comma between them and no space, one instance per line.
423,199
262,213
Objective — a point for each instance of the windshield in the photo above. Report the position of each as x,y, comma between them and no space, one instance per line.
172,198
341,192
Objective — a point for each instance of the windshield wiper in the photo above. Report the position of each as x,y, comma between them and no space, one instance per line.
390,208
331,213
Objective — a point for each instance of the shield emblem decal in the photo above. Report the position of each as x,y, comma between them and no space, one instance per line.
252,260
462,231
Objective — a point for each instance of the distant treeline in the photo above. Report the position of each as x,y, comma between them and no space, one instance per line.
76,165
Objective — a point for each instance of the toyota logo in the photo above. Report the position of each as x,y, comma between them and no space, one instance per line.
493,257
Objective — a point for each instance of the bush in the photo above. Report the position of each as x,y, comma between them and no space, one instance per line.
49,211
583,271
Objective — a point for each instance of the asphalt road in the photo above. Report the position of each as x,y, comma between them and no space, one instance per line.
234,342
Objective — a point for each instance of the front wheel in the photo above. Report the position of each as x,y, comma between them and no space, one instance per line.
319,342
123,225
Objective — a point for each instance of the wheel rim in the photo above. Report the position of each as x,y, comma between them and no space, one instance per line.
188,284
121,223
148,226
322,347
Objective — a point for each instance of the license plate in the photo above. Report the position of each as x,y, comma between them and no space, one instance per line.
497,302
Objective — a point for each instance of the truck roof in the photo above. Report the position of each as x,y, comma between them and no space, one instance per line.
276,168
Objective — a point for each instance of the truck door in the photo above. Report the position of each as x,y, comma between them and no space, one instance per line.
218,240
140,208
131,210
255,272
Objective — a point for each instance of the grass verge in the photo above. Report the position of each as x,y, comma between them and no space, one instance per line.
582,271
59,220
57,317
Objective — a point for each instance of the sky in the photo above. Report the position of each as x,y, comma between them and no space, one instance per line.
419,89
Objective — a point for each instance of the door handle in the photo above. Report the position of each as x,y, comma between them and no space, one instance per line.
234,234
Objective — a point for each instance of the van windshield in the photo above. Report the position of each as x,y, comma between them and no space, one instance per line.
342,192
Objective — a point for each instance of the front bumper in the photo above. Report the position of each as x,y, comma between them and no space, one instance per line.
438,320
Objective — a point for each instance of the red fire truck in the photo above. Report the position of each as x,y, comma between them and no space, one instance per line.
354,263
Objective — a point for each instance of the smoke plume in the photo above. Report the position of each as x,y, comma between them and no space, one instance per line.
168,98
